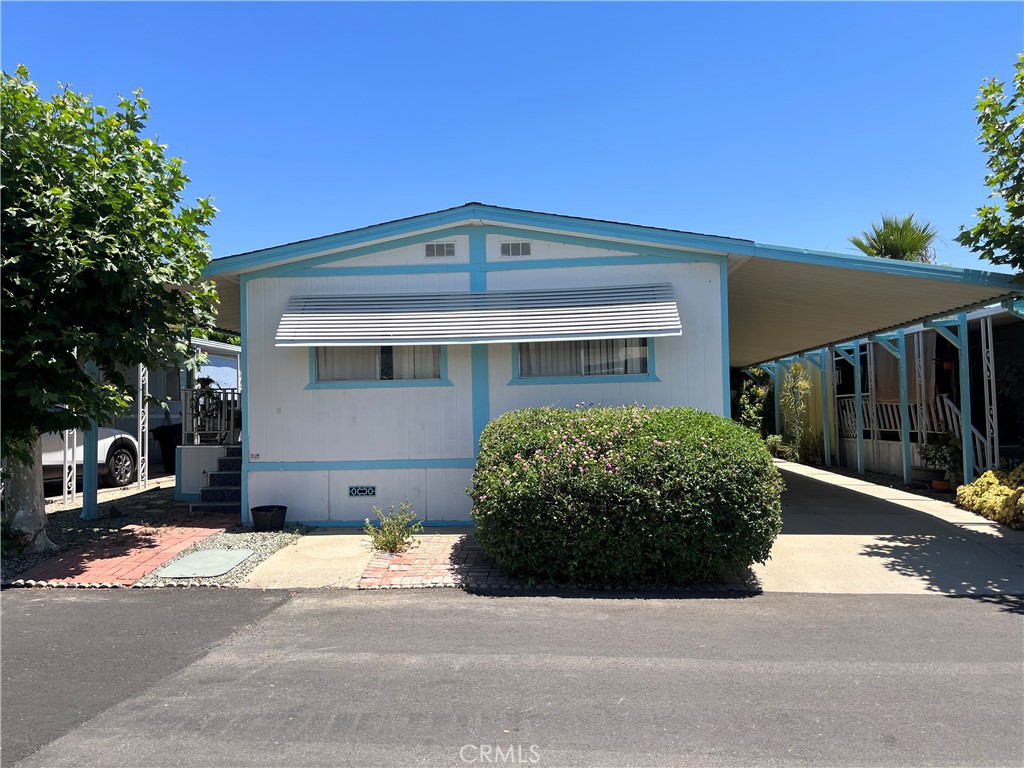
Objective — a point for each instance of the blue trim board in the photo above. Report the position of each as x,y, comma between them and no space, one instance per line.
477,261
243,362
490,216
311,267
312,466
517,380
481,394
189,497
474,212
377,384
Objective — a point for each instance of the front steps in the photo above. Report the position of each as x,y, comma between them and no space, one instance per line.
223,491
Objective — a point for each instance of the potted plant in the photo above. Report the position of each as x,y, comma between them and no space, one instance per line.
944,452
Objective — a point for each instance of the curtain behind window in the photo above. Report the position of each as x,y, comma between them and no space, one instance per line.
346,363
415,362
596,357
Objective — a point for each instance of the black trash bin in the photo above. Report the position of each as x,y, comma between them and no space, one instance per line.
168,437
269,517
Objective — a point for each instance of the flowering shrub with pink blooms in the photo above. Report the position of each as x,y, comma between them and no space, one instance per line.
626,495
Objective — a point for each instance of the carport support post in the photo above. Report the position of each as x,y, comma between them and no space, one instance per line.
967,426
858,407
826,401
958,339
901,345
900,353
90,463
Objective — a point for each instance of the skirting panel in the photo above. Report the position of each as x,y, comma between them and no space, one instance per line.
312,496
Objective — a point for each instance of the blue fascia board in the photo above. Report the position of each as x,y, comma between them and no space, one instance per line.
314,466
883,266
467,215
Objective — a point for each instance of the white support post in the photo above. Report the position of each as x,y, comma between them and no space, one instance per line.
69,475
872,405
967,427
858,402
142,396
901,346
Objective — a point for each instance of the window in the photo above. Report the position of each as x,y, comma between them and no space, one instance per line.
378,363
598,357
438,250
515,249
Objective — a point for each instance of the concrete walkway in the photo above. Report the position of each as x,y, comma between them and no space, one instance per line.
843,535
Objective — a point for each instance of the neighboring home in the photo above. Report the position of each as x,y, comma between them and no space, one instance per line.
373,359
995,363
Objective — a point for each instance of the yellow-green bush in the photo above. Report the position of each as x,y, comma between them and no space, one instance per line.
996,495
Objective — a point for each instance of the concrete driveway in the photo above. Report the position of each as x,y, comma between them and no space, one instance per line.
843,535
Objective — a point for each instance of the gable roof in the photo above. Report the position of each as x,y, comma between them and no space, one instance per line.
781,300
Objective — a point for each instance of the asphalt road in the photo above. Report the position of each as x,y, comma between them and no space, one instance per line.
444,678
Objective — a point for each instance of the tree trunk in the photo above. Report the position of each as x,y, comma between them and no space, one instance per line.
26,503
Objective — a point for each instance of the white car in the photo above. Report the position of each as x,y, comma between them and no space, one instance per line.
118,456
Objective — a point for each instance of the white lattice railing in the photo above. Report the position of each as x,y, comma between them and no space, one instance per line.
940,416
211,415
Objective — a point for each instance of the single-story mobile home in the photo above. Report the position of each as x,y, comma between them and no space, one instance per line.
372,359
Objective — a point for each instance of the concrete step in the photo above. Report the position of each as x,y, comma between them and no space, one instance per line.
234,451
229,464
221,493
232,507
224,478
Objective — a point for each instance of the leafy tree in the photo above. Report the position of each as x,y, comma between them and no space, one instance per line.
900,238
999,234
101,269
793,394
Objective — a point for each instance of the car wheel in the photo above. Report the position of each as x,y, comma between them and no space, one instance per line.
120,466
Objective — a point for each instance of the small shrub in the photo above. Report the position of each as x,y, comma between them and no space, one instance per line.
623,495
944,451
394,531
780,449
996,495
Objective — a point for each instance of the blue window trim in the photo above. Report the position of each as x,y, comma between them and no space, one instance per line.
517,380
401,384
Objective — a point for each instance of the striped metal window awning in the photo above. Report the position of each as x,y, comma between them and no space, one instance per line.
494,317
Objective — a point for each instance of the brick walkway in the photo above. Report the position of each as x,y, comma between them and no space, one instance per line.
435,560
128,554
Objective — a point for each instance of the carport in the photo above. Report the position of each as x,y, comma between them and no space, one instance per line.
788,305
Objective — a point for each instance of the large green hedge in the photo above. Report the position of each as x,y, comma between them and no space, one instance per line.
626,495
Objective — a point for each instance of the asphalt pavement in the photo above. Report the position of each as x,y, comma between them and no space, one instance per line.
442,677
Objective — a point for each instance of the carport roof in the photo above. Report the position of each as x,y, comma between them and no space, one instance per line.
782,301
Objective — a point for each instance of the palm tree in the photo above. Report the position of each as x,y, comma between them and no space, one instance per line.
899,238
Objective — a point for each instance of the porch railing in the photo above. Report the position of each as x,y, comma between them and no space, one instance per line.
211,415
940,416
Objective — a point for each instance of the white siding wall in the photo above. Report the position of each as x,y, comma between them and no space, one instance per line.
689,366
320,430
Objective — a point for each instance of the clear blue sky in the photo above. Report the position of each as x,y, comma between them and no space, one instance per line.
792,124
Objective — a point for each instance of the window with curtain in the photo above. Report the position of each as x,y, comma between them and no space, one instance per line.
378,363
596,357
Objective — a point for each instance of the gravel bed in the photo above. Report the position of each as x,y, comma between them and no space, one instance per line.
264,544
67,530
